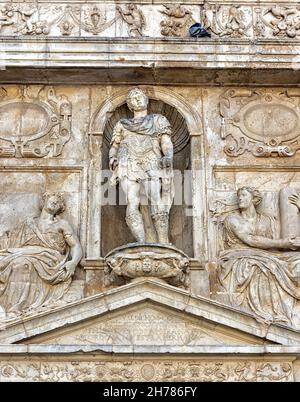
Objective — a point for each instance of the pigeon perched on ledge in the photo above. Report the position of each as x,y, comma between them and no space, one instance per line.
198,31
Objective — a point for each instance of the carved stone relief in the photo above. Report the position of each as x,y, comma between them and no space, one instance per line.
228,21
240,21
69,20
186,370
259,270
38,260
34,125
178,20
96,20
134,18
280,21
154,261
258,258
263,122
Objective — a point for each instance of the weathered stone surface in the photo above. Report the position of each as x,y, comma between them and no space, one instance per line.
202,370
140,260
218,317
230,106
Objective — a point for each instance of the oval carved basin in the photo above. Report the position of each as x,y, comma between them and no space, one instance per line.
21,119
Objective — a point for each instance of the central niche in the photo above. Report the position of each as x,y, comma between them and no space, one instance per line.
114,229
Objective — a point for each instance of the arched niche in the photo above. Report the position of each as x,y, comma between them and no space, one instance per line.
187,134
115,231
167,96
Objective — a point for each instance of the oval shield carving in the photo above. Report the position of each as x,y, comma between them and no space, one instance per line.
23,120
268,122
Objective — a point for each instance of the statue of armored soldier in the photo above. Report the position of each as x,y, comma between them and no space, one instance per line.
141,159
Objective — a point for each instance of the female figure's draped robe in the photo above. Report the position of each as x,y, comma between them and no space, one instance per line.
263,281
31,272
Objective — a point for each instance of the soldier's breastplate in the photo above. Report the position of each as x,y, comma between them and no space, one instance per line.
138,146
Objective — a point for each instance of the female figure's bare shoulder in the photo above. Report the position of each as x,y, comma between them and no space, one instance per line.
233,220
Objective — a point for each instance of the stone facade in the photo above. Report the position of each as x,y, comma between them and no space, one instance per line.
200,282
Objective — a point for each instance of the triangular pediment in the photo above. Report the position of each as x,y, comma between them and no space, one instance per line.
147,324
146,313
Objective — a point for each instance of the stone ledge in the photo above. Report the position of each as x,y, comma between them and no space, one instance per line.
278,351
189,76
148,53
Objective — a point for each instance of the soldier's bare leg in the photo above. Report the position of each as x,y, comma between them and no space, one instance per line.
159,211
134,218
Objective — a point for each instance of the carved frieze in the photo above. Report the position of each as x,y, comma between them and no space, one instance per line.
34,125
239,21
184,370
279,21
133,16
263,122
177,22
95,19
229,21
68,20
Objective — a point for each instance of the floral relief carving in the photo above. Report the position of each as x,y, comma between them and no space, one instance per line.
34,125
69,19
26,19
7,16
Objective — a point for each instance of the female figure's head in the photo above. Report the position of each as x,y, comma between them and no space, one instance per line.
53,203
248,196
137,100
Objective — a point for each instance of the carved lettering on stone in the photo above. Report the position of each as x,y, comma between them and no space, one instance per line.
34,125
145,325
263,122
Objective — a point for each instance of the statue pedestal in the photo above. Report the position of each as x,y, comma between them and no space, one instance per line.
139,260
